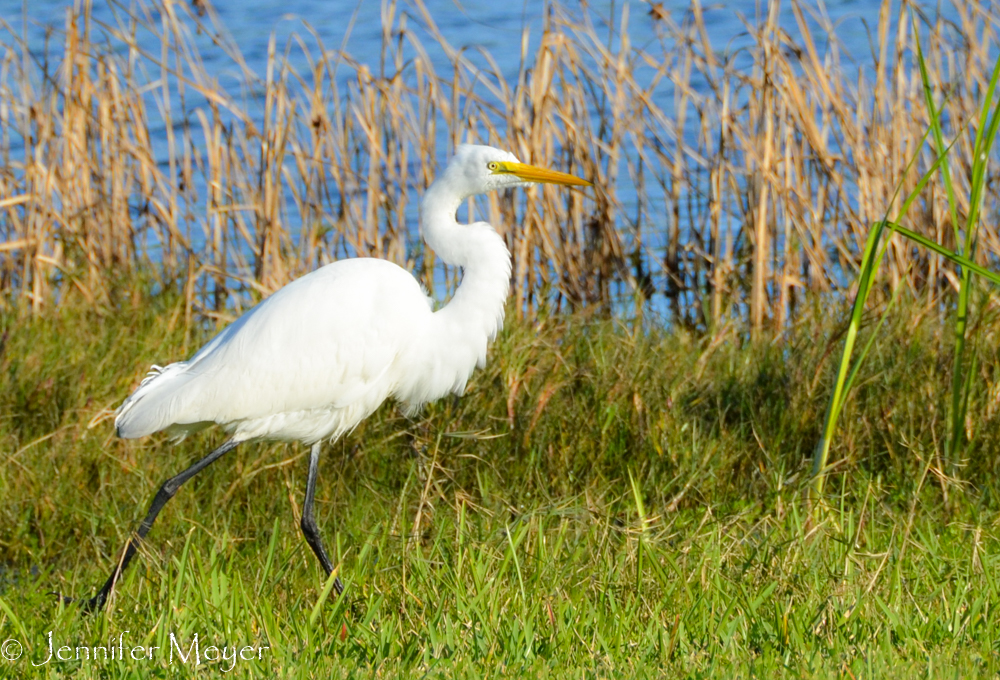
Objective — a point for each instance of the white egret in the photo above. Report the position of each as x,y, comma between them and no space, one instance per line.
321,354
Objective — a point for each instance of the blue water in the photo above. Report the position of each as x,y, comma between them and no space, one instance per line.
473,26
494,26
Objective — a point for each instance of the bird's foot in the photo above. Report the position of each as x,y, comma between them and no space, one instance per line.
88,605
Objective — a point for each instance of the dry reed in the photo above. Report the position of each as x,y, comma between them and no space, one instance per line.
732,187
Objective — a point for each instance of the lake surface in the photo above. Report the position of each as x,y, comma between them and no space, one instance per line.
494,26
471,25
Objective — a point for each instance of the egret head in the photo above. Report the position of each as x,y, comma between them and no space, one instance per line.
478,169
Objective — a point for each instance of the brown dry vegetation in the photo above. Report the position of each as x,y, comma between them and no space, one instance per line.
754,190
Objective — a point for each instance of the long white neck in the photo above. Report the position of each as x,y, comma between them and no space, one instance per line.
478,305
454,341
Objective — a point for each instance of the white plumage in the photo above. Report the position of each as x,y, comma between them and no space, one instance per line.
308,363
321,354
318,356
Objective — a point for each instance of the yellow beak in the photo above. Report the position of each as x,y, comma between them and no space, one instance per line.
532,173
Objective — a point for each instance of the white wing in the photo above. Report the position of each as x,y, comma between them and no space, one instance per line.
324,348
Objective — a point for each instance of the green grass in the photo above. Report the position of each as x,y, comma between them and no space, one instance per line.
982,135
602,503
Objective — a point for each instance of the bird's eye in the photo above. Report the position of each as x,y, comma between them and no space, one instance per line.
493,166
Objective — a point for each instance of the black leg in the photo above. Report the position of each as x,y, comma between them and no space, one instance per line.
166,492
309,528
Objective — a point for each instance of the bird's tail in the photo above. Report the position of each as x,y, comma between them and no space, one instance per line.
152,407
